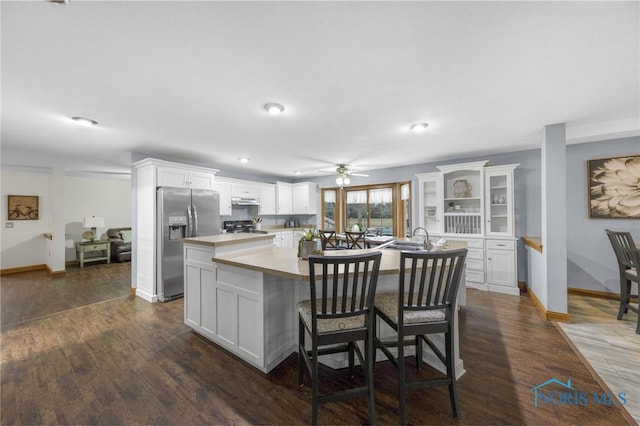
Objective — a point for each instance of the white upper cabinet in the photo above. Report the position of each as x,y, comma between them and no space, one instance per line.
284,198
305,198
224,189
499,200
245,190
179,177
430,202
463,198
267,198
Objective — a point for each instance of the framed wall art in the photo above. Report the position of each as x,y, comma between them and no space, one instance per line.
614,187
22,207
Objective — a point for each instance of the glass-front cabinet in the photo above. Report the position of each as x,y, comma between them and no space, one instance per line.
463,198
473,202
499,200
430,202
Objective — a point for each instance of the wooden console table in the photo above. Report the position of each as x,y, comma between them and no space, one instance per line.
98,250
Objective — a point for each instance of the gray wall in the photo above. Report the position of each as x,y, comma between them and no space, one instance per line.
590,258
591,263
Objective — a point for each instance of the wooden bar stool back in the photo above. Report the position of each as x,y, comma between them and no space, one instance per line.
424,304
339,314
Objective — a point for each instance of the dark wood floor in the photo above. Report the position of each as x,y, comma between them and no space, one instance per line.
79,350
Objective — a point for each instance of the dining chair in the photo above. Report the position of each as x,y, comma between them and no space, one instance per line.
424,304
328,240
338,315
628,259
355,240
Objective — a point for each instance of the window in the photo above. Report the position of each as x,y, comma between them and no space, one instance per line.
384,209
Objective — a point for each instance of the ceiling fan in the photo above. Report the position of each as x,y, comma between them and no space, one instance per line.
343,174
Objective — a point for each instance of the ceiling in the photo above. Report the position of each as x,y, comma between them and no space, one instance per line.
188,81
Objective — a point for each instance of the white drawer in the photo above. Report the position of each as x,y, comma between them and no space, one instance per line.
474,276
476,265
501,244
475,253
475,244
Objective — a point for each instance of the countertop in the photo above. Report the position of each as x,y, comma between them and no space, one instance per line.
533,242
227,239
283,262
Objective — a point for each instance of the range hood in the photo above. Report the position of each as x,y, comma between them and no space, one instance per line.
241,201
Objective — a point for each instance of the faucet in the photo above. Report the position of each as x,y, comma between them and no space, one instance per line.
426,243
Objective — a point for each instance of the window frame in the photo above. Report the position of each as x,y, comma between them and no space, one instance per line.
398,212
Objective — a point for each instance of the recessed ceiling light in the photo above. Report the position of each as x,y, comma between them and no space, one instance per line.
297,172
58,1
273,108
85,121
244,160
418,127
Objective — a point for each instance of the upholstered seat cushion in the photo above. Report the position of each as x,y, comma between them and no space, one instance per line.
327,325
387,303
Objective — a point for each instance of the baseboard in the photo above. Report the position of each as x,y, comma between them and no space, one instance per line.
23,269
132,291
522,286
595,293
55,274
547,315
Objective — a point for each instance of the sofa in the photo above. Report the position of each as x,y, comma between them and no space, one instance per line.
120,244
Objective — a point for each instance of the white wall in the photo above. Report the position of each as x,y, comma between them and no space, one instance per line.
24,244
85,196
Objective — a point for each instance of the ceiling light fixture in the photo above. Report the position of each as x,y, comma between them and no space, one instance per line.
418,127
87,122
274,108
297,172
58,1
343,180
244,160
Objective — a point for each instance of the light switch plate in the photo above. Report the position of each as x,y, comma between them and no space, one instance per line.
8,224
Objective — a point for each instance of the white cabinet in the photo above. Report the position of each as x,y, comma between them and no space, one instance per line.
501,266
305,198
179,177
283,239
245,190
474,202
462,186
284,198
287,239
499,200
224,189
267,198
430,202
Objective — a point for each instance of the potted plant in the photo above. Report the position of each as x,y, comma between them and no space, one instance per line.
307,244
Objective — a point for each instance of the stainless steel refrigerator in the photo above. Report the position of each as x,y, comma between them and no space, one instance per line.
181,213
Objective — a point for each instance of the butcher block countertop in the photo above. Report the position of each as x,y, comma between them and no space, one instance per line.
227,239
283,262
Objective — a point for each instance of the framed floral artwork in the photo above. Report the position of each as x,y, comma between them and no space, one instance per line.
22,207
614,187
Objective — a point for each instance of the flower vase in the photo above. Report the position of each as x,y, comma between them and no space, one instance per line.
307,248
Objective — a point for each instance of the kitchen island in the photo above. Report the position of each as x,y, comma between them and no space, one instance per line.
243,297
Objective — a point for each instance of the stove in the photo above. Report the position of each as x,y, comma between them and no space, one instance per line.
241,227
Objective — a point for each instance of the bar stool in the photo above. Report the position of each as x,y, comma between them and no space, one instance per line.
339,314
424,304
